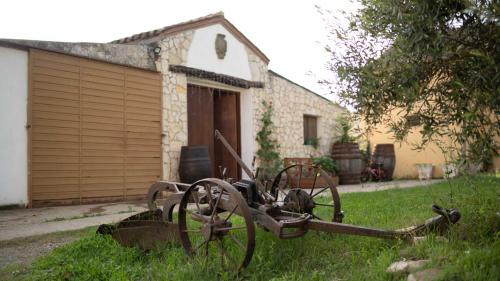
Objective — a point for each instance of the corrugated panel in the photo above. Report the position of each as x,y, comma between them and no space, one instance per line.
96,130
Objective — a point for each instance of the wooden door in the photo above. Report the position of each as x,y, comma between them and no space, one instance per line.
226,120
210,109
200,109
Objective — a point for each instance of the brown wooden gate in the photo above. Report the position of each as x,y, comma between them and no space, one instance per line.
95,130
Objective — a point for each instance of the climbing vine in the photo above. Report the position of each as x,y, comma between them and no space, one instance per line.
267,154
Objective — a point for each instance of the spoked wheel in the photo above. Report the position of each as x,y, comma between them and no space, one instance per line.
215,223
308,186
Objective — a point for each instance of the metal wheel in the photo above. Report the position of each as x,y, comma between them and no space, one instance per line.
215,223
308,184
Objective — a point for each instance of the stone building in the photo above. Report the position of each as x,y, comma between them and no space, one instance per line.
167,88
188,56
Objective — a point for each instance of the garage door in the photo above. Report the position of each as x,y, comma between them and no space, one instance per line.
95,130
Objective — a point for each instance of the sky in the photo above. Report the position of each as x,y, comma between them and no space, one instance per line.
291,33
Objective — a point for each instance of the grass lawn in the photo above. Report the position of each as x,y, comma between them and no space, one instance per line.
472,251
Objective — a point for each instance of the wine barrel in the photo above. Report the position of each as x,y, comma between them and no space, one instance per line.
348,159
195,163
384,153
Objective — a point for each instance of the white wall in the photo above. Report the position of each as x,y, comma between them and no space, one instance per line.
202,53
246,127
13,134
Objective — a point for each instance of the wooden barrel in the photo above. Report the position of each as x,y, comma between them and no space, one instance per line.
195,163
384,153
348,159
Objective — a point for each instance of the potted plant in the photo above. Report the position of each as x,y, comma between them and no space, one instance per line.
328,165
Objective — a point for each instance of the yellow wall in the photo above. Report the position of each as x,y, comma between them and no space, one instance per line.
406,156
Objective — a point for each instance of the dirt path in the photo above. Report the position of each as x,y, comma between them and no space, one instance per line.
25,250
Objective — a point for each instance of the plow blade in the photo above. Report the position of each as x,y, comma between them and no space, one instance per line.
145,230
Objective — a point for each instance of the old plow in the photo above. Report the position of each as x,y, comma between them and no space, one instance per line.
221,214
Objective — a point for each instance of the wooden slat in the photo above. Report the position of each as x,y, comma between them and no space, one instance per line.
55,116
102,100
92,65
102,133
142,89
55,72
102,113
142,166
55,123
55,137
132,141
56,188
150,124
144,99
143,106
153,81
102,153
54,144
50,56
104,92
102,127
37,85
108,140
55,167
143,154
143,160
56,65
101,106
56,159
56,101
55,174
102,146
101,167
103,87
100,180
139,129
103,186
142,73
55,152
55,108
102,160
55,94
101,193
151,136
103,80
152,148
137,179
54,196
138,111
131,173
55,130
102,173
102,120
57,80
102,73
55,181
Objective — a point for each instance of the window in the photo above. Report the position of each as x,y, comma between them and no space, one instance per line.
310,130
413,120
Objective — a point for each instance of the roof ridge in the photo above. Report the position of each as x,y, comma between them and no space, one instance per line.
155,32
193,24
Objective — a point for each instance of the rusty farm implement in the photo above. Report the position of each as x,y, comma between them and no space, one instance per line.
216,218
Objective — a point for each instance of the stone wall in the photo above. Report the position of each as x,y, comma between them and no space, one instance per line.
290,103
140,56
174,111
